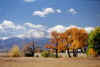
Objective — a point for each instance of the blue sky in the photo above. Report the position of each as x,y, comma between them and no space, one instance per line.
50,13
20,11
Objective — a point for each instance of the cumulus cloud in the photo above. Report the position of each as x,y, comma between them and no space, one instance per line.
9,29
37,34
72,11
57,28
73,26
62,28
58,11
29,0
4,38
7,24
32,34
44,12
20,27
30,25
89,29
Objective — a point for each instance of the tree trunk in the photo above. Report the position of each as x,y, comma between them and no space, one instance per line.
74,53
56,50
82,51
56,53
33,49
68,53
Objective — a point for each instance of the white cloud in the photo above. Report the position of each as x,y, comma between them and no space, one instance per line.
20,27
58,11
72,11
44,12
1,27
27,30
34,26
37,34
9,29
29,0
61,29
8,24
58,28
4,38
89,29
73,26
28,24
32,34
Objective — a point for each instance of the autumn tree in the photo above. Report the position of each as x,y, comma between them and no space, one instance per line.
51,47
14,52
76,38
29,49
54,40
94,42
73,38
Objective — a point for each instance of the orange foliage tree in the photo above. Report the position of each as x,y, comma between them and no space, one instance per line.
73,38
76,38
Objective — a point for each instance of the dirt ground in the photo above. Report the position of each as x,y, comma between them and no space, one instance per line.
49,62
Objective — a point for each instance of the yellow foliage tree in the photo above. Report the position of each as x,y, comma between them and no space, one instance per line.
91,52
15,51
73,38
76,37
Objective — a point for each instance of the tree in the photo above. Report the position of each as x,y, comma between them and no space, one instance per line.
33,46
94,41
51,47
29,49
73,38
76,38
15,51
58,41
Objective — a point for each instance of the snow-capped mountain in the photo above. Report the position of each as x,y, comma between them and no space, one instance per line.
8,43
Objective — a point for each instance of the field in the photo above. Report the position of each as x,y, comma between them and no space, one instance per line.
49,62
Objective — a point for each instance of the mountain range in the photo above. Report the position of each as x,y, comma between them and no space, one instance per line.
8,43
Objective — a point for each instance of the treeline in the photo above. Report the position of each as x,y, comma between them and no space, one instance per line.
72,39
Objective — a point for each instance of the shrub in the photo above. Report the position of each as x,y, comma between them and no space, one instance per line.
94,42
48,54
29,52
52,55
37,56
15,51
45,54
92,52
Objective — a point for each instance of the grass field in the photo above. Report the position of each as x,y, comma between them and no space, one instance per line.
49,62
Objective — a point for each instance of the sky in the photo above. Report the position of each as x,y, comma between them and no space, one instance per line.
19,17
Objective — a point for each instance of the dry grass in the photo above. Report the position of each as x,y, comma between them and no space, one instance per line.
48,62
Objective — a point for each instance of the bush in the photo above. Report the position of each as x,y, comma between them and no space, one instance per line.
15,51
94,42
45,54
37,56
48,54
52,55
91,52
29,52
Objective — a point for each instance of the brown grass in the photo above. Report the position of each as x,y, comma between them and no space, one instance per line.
48,62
